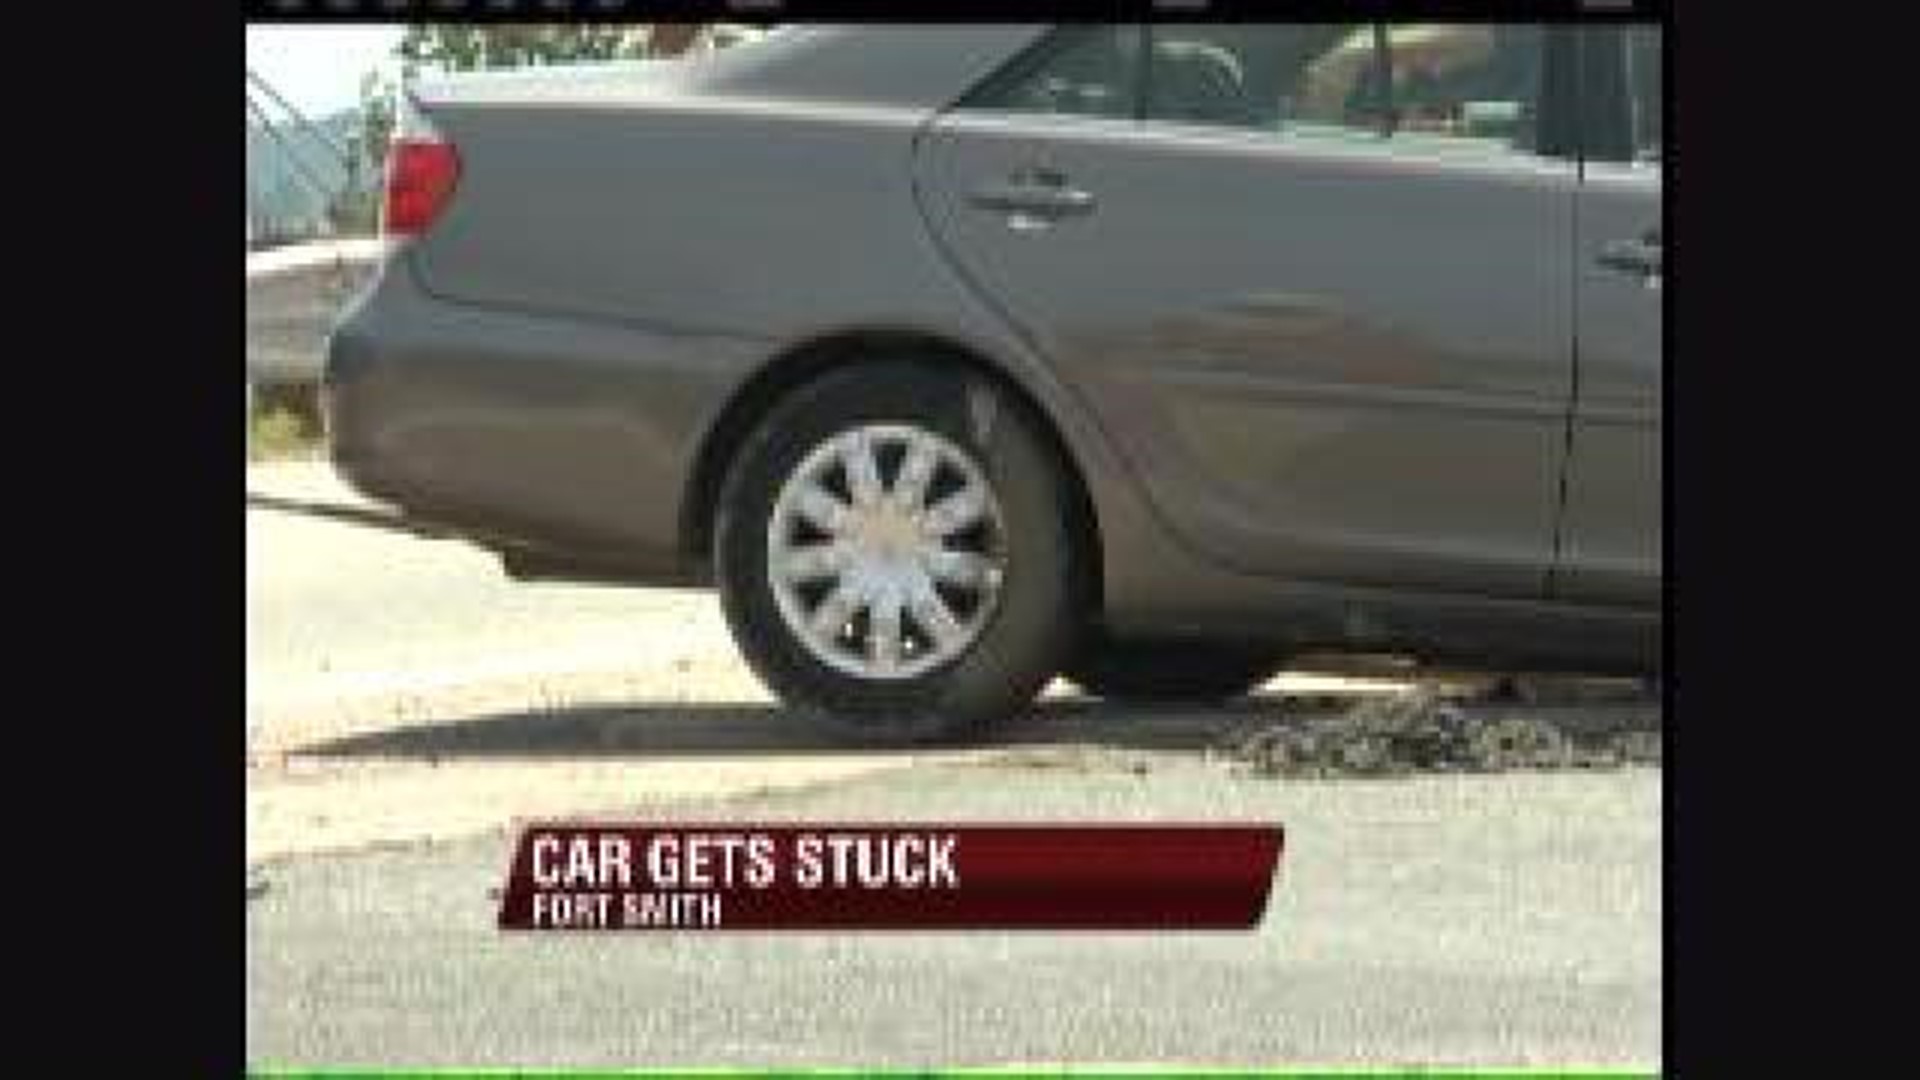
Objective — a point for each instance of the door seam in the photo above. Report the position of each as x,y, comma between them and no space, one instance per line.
1555,567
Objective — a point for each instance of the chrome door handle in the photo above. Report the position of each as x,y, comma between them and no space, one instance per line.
1035,197
1013,198
1639,257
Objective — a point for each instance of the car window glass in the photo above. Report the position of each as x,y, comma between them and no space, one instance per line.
1416,88
1298,79
1476,83
1644,78
1079,71
1419,88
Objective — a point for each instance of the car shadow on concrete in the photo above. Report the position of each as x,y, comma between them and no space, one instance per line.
710,729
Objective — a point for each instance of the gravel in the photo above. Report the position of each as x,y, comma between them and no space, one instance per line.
1425,731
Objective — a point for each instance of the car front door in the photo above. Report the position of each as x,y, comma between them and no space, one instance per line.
1315,281
1610,548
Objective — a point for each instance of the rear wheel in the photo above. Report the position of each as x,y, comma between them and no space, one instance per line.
1170,671
891,555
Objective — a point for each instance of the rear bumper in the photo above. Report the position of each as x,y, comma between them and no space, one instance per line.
525,431
358,401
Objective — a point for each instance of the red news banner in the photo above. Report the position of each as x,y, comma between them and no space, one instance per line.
579,876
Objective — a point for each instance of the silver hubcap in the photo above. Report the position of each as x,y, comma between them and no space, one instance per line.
886,552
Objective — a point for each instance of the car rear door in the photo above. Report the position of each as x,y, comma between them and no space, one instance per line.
1610,547
1315,281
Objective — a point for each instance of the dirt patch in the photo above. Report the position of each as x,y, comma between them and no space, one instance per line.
1423,731
280,429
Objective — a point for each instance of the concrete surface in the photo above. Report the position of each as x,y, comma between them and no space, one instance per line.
403,689
407,706
1509,920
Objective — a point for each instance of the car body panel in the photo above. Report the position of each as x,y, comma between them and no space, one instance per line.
1611,533
1324,363
628,255
900,66
534,429
600,253
903,67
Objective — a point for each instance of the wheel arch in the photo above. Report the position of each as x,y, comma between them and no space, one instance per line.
800,364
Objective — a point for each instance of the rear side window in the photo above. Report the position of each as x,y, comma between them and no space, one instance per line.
1439,85
1301,79
1467,84
1464,81
1078,71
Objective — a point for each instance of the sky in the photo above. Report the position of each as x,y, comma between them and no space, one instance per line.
318,68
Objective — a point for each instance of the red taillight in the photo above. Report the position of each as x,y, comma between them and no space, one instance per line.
421,174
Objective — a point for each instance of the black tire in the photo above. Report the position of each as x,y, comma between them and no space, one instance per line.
1170,672
1031,629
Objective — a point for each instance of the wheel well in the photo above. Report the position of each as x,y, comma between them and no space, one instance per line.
810,361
